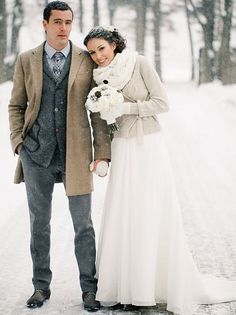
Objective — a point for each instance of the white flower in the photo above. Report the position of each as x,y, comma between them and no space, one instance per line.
105,99
110,28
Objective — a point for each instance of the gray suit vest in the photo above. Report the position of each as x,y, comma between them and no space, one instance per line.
49,130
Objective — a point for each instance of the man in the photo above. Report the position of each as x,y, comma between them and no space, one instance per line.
51,133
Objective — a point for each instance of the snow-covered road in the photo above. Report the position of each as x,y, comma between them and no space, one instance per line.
200,131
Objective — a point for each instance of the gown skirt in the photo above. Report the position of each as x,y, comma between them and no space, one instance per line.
143,257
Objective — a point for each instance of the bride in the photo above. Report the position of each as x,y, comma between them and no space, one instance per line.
143,258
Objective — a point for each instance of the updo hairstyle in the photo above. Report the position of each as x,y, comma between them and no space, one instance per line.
110,34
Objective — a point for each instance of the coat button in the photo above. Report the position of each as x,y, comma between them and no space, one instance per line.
56,109
56,129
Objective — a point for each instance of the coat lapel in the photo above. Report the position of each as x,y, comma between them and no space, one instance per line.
76,61
37,68
37,72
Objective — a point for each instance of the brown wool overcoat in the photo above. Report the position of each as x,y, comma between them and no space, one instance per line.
24,108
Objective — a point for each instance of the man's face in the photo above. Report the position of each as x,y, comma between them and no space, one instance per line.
58,28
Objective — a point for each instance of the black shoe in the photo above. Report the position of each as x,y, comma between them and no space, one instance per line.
117,306
130,307
90,304
38,298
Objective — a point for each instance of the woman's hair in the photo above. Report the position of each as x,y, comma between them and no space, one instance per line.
110,34
55,5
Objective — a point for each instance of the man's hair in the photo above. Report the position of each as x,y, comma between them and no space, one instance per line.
55,5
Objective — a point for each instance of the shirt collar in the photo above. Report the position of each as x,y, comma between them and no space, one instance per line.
51,51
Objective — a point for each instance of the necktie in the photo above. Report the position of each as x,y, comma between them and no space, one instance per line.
58,63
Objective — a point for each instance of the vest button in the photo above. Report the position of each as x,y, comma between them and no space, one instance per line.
56,129
56,109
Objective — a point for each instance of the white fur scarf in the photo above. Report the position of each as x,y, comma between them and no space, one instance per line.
119,71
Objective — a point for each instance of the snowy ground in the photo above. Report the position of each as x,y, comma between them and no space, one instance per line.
200,131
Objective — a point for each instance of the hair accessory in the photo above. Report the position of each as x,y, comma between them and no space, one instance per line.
110,28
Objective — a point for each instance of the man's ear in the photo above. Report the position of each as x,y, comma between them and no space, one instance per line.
44,22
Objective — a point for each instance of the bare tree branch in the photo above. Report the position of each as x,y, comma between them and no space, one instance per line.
195,12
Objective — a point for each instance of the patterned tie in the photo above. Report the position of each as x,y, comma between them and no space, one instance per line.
58,63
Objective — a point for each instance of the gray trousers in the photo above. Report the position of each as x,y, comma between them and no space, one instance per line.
39,183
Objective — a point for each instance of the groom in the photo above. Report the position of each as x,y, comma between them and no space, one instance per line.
51,133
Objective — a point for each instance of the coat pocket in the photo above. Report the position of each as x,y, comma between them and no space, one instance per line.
31,140
30,144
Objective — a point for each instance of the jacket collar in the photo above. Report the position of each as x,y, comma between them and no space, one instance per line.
37,71
76,61
37,67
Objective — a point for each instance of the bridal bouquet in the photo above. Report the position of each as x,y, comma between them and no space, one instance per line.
105,99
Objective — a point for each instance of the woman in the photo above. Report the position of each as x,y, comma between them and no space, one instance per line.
143,258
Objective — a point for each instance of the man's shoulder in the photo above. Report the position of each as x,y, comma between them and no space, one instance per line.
77,49
84,53
32,51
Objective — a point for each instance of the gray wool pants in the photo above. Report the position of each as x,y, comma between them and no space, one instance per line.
39,182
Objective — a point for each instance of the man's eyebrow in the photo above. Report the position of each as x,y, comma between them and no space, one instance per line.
58,19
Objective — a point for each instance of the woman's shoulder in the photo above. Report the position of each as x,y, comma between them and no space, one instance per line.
146,68
141,59
143,64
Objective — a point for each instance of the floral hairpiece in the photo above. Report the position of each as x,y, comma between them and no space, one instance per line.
110,28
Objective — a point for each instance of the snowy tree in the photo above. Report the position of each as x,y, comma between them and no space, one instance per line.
111,8
17,22
141,8
188,17
226,68
95,13
3,38
9,32
157,14
81,15
204,12
215,19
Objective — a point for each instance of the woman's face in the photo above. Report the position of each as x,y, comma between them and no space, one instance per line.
101,51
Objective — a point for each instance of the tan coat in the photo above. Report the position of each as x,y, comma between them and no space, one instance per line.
24,108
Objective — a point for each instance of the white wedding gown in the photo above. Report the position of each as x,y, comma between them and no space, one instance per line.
143,256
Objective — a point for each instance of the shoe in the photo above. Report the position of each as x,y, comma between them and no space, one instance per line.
117,306
130,307
90,304
38,298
